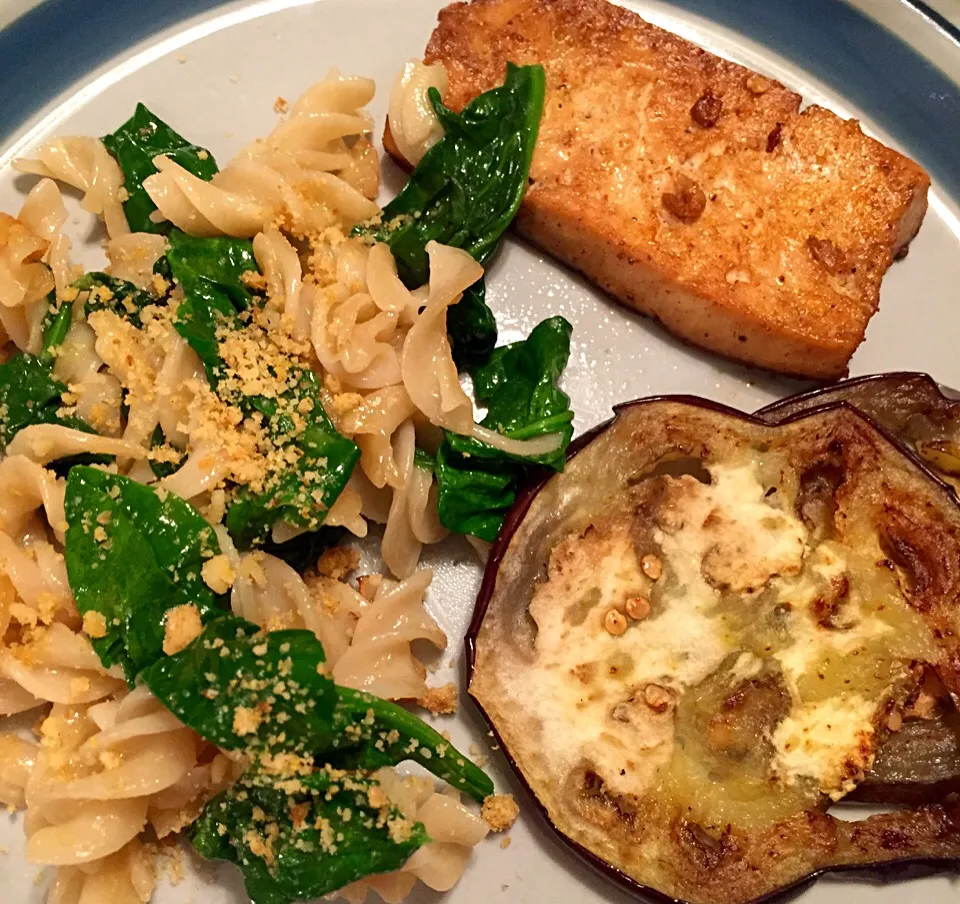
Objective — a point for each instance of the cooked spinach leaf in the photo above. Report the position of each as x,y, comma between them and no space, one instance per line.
306,838
163,468
56,325
472,328
302,552
370,733
518,387
246,690
107,293
210,272
29,394
478,483
302,493
474,496
134,145
133,553
467,188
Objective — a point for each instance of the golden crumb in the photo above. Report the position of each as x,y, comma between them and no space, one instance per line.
505,842
255,280
79,687
440,700
500,811
245,720
280,105
181,627
338,562
217,574
160,285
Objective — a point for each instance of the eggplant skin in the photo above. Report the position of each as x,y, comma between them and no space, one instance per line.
648,845
910,406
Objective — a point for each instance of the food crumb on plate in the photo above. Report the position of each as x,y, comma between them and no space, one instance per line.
505,842
440,700
280,105
500,811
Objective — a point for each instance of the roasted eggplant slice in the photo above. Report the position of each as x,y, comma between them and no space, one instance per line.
911,406
694,639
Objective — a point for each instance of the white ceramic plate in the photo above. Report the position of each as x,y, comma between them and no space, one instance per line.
215,79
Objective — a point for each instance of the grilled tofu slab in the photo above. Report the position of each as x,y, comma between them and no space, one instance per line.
691,188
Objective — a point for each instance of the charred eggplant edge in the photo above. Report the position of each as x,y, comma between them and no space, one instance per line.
905,865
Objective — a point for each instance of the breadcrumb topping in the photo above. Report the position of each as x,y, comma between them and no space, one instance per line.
94,624
181,627
217,574
338,562
500,811
440,700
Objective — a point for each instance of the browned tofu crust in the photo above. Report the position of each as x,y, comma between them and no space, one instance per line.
691,188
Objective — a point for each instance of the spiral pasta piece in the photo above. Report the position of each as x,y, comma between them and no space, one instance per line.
379,659
313,171
85,164
413,122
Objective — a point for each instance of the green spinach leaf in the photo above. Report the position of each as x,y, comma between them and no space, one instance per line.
107,293
518,386
304,839
301,494
29,394
370,733
132,554
134,145
243,689
467,188
163,468
472,328
210,272
56,325
477,483
302,552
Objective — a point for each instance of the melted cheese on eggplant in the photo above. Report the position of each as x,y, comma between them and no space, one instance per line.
741,582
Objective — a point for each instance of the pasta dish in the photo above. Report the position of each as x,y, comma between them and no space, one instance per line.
268,364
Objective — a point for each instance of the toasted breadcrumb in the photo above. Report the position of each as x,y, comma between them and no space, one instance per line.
181,627
338,562
440,700
245,720
217,574
280,105
94,624
505,842
500,811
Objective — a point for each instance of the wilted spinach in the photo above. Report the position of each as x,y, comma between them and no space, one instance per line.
476,482
107,293
304,843
30,394
134,145
246,690
288,703
465,192
210,271
132,554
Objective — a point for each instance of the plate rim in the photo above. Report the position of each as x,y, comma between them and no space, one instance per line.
919,106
